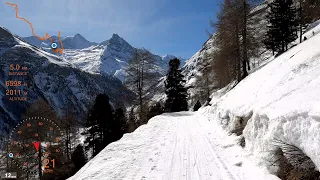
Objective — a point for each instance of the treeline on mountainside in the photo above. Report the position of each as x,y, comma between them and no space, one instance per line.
287,19
140,75
103,124
308,12
282,27
236,44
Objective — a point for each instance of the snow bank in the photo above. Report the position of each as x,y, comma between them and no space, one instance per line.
174,146
281,100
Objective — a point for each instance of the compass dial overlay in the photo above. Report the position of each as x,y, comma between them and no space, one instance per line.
34,145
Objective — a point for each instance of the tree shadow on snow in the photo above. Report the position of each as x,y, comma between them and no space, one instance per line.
177,114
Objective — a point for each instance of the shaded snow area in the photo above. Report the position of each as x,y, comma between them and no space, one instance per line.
172,147
280,101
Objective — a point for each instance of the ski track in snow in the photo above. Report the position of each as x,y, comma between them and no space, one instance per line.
170,147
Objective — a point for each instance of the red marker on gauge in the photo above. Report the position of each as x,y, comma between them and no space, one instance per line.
36,145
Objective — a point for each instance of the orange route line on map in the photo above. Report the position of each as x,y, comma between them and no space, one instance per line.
58,50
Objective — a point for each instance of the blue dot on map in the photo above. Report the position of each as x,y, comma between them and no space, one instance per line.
54,45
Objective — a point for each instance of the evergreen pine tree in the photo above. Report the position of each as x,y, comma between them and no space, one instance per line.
78,158
292,23
310,10
131,124
119,126
197,106
175,90
282,28
98,124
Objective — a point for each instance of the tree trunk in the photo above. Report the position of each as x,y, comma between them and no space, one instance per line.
93,145
140,104
245,60
238,58
68,141
301,20
141,90
207,86
40,161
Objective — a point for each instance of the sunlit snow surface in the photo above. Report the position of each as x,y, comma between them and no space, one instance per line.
284,99
172,147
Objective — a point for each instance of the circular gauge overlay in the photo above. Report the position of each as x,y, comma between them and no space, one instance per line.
36,145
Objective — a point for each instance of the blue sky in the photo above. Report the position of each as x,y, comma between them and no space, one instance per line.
175,27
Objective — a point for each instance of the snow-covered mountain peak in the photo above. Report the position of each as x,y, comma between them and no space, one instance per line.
108,57
76,42
115,36
118,43
78,36
168,57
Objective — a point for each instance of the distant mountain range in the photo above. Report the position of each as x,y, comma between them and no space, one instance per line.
108,57
71,80
52,78
71,42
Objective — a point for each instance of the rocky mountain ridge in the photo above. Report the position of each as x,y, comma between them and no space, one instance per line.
109,57
52,79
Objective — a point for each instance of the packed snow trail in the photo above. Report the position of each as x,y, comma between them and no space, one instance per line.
170,147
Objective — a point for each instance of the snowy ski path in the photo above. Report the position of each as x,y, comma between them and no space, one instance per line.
171,147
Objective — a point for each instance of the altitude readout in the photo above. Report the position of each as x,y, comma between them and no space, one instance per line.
12,92
17,85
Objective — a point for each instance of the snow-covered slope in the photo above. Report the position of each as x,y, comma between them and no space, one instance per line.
53,79
174,146
109,57
281,101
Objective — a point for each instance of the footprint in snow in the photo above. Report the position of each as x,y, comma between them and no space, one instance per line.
239,164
